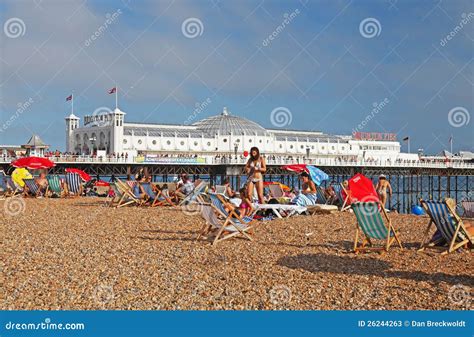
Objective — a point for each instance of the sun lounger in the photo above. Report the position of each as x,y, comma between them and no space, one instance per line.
195,194
5,190
232,216
163,197
277,209
152,197
370,221
449,225
54,185
74,184
221,189
32,189
225,229
468,208
343,196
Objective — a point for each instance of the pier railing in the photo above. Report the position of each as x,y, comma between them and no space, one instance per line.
211,160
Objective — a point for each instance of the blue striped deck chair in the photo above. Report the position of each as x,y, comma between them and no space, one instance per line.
14,190
32,189
242,224
342,200
225,230
74,185
448,224
370,221
195,195
4,188
54,185
150,194
468,208
163,197
321,197
128,195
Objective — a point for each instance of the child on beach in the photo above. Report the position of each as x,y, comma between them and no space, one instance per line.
245,207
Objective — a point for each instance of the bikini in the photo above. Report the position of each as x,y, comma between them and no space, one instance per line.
257,166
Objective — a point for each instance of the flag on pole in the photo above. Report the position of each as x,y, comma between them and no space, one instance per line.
69,98
113,90
451,139
406,139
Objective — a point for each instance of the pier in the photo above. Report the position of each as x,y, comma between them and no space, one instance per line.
410,180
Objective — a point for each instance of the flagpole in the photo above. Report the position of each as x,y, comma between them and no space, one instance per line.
409,145
451,143
116,96
72,103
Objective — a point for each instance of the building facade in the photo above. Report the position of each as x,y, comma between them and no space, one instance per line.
223,134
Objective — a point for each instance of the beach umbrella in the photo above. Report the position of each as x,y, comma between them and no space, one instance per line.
19,174
84,176
317,175
362,188
33,163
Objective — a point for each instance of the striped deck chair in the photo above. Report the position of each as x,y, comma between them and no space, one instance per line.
370,221
321,197
230,217
128,196
449,225
131,183
221,189
213,223
468,208
32,189
195,195
150,194
4,188
14,190
345,202
74,184
54,185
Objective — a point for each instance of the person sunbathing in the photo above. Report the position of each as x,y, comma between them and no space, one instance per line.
245,207
42,183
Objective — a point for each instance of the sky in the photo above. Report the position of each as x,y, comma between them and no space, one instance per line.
404,67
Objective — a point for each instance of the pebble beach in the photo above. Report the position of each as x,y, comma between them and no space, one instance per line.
77,254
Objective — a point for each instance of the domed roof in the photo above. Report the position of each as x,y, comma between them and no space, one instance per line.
225,124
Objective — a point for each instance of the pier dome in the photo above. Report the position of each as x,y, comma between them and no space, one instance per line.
226,124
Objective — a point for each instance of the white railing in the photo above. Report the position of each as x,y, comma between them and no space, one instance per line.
211,160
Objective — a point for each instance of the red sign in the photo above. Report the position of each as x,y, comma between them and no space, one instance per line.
375,136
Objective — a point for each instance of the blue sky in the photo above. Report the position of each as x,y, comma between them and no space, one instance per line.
322,66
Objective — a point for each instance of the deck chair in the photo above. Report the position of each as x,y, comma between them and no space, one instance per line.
5,190
370,221
74,184
150,194
54,185
131,183
14,190
449,225
163,197
468,208
217,203
345,204
195,195
32,189
128,197
221,189
321,197
213,223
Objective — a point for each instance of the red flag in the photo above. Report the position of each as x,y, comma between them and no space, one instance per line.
69,98
113,90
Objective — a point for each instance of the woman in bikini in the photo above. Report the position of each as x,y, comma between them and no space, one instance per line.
382,186
255,169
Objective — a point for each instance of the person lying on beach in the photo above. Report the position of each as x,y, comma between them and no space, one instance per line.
308,194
